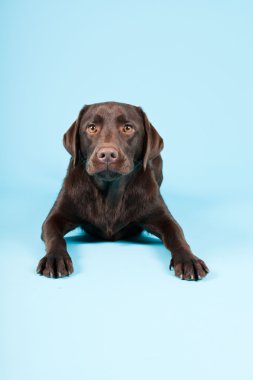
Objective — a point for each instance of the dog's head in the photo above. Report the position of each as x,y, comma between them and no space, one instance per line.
111,139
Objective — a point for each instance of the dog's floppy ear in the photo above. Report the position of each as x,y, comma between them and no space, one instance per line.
71,137
154,142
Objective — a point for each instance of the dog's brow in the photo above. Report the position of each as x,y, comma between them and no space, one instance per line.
98,119
121,118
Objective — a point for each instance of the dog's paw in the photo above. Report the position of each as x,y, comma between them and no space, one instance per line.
55,265
188,267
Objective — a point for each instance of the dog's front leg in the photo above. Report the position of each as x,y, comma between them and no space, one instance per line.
186,265
57,262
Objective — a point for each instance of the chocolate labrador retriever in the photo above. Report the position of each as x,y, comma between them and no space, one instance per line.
111,189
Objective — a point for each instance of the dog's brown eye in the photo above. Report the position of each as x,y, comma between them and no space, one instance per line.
128,129
92,128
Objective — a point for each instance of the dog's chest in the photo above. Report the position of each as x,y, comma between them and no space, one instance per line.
107,216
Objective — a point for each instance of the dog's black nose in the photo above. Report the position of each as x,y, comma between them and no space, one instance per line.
107,155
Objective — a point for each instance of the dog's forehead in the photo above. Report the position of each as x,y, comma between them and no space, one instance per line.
112,110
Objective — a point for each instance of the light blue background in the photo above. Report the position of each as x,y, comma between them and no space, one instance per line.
123,315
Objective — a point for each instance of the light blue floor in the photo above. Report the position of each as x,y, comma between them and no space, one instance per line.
123,314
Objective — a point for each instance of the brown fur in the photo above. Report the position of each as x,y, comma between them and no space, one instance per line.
114,194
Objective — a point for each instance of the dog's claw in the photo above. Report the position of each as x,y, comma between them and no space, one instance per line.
55,265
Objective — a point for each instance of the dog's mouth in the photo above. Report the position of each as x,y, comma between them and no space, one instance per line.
108,171
108,175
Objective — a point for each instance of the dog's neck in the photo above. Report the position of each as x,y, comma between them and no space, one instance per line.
113,191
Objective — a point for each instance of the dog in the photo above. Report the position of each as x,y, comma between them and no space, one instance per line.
112,189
